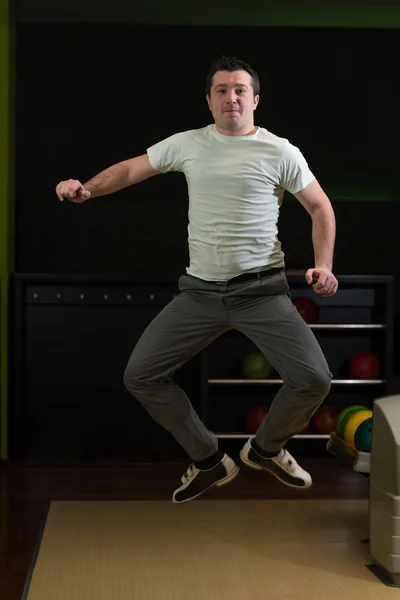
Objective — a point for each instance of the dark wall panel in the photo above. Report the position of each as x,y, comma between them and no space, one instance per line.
91,95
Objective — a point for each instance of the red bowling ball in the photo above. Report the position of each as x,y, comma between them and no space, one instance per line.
307,309
364,365
255,417
325,419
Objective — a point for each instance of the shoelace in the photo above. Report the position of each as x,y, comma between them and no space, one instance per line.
190,474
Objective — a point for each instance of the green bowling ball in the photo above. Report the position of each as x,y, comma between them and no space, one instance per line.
256,366
363,436
345,415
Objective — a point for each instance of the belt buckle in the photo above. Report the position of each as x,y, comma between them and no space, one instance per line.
220,282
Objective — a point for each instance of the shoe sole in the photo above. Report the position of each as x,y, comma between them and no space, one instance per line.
219,483
256,467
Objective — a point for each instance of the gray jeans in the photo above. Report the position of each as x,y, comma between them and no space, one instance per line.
262,310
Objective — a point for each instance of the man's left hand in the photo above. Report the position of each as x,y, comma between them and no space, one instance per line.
325,283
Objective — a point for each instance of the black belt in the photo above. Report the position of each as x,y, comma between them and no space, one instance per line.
250,276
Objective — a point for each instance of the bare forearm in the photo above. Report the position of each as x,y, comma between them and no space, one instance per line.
323,236
116,177
109,181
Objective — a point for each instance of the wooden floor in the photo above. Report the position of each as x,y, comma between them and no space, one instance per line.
206,550
25,493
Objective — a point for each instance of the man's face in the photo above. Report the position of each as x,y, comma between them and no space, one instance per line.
232,101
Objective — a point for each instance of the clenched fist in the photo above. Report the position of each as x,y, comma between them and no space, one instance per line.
325,284
73,190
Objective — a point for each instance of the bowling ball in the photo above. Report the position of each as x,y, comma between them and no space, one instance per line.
306,429
353,424
307,309
324,419
256,366
363,436
345,415
364,365
255,417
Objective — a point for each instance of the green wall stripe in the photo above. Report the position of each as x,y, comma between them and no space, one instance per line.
181,12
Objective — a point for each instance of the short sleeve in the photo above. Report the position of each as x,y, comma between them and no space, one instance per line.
166,156
295,174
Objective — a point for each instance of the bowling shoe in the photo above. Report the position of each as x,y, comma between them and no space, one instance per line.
283,466
196,482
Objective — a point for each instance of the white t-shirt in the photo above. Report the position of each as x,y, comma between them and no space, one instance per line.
236,186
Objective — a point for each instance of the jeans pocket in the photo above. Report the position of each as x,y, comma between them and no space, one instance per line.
189,282
181,282
275,285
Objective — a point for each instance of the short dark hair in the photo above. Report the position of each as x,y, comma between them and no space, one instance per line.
232,63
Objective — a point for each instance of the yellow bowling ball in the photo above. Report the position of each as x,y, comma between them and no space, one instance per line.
353,423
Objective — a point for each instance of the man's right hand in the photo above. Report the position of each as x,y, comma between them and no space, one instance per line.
72,190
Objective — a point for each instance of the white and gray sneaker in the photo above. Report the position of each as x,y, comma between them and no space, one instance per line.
283,466
196,482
